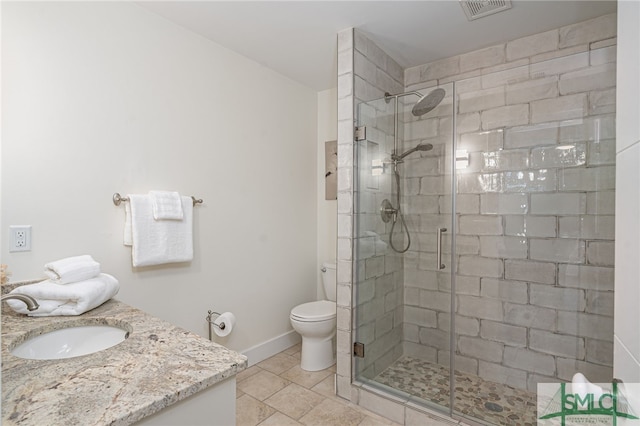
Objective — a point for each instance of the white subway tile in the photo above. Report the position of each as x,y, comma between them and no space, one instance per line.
504,333
510,291
500,374
491,140
557,250
480,348
439,69
480,225
504,203
569,155
481,99
602,153
507,159
532,90
364,68
586,325
566,203
600,302
503,247
529,361
533,45
551,296
345,62
587,178
600,28
593,78
421,317
526,270
601,202
560,65
465,204
602,101
562,108
603,55
345,39
600,253
600,352
588,129
598,373
532,135
557,344
519,72
587,227
530,226
510,115
587,277
476,266
482,58
530,316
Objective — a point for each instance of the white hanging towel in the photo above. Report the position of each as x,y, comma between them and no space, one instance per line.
167,205
72,269
155,242
69,299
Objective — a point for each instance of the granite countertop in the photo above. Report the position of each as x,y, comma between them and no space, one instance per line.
158,365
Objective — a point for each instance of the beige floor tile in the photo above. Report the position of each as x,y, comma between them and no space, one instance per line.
326,387
250,412
307,379
279,419
329,413
293,349
294,401
248,372
262,385
279,363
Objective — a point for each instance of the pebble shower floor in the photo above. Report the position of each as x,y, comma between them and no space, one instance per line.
474,395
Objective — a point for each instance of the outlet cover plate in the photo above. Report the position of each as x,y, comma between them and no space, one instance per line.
19,238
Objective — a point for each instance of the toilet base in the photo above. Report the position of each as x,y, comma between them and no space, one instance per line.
317,354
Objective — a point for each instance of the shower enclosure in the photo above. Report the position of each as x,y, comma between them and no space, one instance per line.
483,257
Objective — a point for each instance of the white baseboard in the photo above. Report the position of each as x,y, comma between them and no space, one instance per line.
271,347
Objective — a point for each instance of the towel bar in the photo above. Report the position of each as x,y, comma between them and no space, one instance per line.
117,199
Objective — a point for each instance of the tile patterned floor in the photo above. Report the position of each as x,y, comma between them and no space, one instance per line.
278,392
431,382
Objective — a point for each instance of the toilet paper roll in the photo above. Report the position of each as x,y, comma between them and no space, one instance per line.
229,321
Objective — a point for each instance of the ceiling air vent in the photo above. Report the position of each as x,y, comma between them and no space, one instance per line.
481,8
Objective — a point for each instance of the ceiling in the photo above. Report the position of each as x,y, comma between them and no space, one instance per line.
298,38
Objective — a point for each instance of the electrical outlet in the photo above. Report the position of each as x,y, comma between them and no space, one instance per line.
19,238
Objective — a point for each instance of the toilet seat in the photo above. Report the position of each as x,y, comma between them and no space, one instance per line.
321,310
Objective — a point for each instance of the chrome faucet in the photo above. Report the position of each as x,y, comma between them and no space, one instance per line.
31,303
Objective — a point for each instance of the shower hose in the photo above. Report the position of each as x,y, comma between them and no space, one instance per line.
399,217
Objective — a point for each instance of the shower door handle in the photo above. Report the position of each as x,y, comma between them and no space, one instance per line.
439,248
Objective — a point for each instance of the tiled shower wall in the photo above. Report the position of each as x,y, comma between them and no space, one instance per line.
511,295
534,215
379,290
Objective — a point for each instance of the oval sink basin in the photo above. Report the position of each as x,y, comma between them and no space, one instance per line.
70,342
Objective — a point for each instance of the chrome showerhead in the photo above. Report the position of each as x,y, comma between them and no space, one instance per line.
428,102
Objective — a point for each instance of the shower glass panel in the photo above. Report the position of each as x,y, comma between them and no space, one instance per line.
534,208
403,246
521,174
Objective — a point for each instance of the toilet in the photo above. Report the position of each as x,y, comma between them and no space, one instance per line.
316,323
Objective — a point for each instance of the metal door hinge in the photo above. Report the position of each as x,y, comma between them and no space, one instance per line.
361,133
358,350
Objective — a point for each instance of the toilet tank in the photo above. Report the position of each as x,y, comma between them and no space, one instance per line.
329,280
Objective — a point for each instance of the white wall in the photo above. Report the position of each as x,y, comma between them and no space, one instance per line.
107,97
626,364
327,209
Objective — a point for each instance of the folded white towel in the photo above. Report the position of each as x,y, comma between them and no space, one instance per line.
160,241
166,205
71,299
72,269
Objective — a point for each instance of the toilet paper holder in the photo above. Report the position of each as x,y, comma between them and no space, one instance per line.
211,322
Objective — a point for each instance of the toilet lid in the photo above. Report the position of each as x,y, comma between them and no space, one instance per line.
314,311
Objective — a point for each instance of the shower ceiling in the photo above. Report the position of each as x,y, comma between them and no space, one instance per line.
297,38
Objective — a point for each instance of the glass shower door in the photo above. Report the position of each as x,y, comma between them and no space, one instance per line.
403,248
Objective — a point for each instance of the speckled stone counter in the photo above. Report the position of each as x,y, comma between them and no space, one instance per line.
157,366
